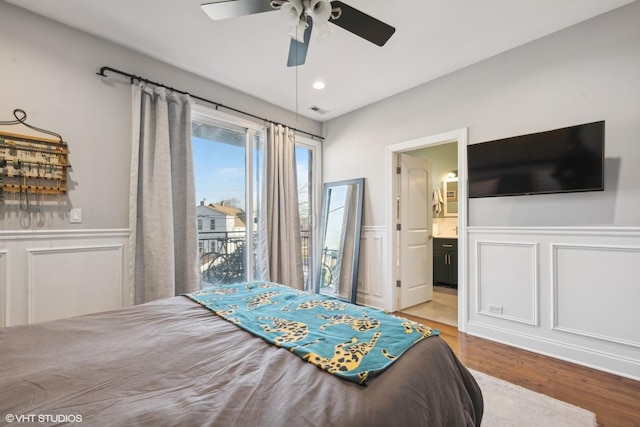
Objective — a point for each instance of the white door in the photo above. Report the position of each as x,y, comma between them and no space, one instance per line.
415,252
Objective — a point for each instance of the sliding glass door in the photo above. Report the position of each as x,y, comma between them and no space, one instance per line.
224,230
306,203
228,168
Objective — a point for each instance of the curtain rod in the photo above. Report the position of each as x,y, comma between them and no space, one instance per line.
134,78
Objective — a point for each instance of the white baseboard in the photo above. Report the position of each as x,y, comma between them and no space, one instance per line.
599,360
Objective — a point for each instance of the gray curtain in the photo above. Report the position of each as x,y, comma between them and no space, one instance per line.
162,217
280,244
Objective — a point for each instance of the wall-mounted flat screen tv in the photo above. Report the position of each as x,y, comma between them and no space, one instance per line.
563,160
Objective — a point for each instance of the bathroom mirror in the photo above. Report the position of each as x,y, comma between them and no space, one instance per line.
450,196
341,220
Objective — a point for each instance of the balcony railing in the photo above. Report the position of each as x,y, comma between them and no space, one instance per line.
223,259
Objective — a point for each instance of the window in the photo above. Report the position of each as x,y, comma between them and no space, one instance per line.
228,172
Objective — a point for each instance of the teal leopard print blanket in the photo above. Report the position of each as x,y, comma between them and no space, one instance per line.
350,341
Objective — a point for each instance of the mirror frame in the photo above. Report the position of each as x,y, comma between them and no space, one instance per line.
359,198
445,190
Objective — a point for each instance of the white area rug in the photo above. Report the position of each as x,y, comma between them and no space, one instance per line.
509,405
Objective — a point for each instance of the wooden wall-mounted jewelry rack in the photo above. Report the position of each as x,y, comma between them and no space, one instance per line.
32,165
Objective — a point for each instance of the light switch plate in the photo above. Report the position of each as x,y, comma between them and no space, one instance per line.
75,216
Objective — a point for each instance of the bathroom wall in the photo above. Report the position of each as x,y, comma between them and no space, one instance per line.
445,159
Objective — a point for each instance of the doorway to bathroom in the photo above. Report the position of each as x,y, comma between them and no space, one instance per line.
443,305
447,199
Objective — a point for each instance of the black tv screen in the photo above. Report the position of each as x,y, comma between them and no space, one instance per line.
557,161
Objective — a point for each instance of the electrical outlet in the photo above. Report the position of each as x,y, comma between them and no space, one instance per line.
496,309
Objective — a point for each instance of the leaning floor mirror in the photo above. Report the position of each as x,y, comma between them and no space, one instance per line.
341,220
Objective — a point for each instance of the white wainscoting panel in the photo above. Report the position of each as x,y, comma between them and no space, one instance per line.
568,292
78,280
507,280
55,274
372,288
589,285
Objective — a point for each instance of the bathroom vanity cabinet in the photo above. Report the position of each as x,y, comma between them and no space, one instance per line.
445,262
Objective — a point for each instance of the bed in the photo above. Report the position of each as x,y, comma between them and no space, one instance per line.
176,362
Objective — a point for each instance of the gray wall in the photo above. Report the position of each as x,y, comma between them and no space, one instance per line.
586,73
49,70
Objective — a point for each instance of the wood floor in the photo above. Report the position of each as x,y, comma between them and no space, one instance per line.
615,400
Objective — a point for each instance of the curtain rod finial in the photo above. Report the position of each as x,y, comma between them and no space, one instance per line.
101,72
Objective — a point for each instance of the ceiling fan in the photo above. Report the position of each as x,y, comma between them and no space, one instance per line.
302,16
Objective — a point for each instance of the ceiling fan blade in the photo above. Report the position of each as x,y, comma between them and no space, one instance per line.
363,25
297,50
225,9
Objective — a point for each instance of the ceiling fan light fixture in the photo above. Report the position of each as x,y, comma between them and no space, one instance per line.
292,12
320,11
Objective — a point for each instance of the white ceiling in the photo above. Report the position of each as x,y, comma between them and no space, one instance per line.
432,38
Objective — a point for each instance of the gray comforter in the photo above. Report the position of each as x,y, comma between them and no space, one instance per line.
175,363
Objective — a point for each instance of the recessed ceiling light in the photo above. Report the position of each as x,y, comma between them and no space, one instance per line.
319,85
